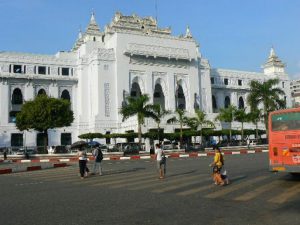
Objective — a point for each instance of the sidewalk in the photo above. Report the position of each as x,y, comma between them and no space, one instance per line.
8,166
38,162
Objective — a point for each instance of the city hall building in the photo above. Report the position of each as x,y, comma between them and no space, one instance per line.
128,57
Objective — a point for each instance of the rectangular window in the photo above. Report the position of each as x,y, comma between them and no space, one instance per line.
25,69
65,71
16,140
48,70
66,139
240,82
12,116
58,71
17,69
105,67
226,81
212,80
42,70
287,121
282,84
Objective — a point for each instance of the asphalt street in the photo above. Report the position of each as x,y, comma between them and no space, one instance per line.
130,193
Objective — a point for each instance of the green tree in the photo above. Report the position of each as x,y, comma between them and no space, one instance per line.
255,117
199,121
138,106
267,95
227,115
159,113
179,118
241,116
44,113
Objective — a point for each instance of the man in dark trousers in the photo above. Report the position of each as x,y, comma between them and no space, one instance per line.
5,154
98,155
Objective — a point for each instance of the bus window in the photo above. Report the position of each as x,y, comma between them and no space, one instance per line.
287,121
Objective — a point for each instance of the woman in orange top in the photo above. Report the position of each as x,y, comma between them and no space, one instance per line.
217,166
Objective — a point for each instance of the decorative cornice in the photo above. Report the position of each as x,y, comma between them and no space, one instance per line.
157,51
35,58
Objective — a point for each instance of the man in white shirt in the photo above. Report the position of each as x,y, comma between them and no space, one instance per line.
160,161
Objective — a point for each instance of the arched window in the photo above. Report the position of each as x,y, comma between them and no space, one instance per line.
158,96
42,92
65,95
214,103
135,90
227,102
17,97
180,99
241,103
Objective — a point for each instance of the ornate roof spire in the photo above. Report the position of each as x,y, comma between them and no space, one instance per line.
93,27
272,53
93,20
80,33
273,64
188,33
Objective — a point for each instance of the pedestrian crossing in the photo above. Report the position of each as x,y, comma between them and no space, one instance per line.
182,184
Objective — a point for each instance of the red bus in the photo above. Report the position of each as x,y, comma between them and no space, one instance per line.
284,140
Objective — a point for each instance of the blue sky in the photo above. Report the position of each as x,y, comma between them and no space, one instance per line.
233,34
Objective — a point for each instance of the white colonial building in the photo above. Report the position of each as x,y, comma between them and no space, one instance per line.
130,56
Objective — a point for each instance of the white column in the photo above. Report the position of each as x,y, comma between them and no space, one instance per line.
5,102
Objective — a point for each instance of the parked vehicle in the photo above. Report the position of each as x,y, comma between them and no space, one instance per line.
28,151
167,145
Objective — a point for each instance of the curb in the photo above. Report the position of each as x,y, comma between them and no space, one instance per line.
31,168
138,157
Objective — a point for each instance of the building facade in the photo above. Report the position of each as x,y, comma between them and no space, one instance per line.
130,56
295,93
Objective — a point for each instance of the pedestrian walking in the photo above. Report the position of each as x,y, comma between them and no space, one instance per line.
98,156
161,161
83,170
248,143
217,165
5,154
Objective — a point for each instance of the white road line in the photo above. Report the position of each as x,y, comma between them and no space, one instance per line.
234,187
256,192
287,194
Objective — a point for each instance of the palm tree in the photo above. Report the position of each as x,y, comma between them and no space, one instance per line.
199,121
255,117
138,106
227,115
159,113
241,116
266,94
179,118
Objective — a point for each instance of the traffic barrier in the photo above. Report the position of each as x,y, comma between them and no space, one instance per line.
33,168
138,157
5,171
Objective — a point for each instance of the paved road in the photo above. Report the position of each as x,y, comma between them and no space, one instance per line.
130,193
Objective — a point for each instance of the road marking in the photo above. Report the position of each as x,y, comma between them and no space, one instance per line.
234,187
136,183
195,190
168,181
287,194
180,185
125,179
26,184
256,192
